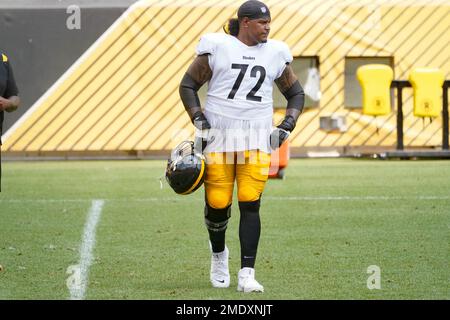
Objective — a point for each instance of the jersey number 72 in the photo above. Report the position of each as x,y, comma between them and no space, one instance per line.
256,69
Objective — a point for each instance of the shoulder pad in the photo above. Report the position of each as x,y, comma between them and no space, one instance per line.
283,50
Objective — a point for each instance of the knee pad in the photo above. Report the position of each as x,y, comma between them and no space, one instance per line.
218,199
217,219
248,193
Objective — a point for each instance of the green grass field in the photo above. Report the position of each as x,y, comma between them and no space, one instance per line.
322,227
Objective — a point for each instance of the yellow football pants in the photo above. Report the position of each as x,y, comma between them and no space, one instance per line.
250,169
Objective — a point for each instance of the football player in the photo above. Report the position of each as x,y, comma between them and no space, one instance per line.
9,100
240,67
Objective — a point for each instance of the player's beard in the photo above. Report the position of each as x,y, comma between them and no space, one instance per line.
264,40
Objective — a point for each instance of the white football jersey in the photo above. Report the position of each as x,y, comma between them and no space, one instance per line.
242,76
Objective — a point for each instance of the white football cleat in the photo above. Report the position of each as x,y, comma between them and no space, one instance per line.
247,282
220,276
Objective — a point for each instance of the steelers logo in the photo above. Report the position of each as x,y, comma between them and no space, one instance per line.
427,104
378,102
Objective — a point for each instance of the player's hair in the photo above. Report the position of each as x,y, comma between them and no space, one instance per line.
232,27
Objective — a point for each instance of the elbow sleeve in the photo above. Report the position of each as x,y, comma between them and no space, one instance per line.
295,96
188,92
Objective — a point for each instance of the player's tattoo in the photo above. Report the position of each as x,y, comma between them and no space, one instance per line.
286,80
199,70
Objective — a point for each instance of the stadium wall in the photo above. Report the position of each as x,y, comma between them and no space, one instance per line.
41,47
121,96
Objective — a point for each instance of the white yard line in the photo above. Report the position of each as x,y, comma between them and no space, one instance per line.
355,198
78,281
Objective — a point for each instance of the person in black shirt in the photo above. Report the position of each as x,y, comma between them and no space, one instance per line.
9,100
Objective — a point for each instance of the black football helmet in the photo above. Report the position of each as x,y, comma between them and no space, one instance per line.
185,169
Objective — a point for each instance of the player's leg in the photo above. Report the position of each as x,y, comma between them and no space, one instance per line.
251,178
219,182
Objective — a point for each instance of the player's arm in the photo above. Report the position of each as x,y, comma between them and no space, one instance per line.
12,101
295,96
197,75
293,92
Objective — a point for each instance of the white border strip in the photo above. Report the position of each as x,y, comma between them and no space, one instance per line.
69,71
78,291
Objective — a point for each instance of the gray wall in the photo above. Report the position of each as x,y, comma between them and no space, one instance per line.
41,47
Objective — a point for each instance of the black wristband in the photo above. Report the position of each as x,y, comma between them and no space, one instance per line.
199,120
198,116
287,124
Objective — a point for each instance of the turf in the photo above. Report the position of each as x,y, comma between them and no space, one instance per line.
322,227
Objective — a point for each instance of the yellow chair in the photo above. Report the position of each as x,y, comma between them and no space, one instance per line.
375,80
427,85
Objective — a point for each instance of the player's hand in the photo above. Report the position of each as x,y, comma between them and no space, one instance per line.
200,122
4,104
7,105
281,132
201,140
287,124
277,137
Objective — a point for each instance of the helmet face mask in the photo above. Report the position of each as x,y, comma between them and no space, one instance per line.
185,169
